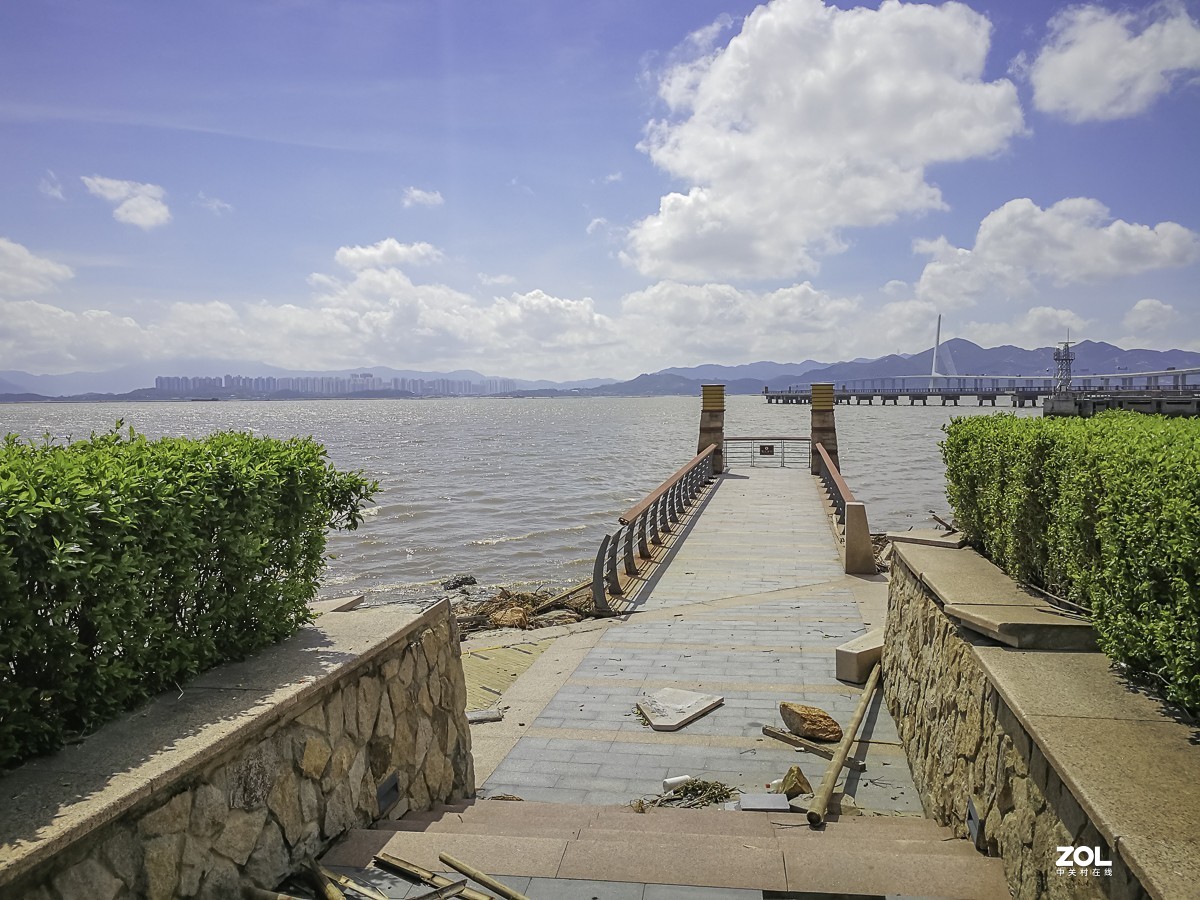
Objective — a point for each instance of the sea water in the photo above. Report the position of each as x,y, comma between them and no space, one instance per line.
520,491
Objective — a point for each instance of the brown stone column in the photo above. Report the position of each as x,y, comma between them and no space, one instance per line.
823,429
712,423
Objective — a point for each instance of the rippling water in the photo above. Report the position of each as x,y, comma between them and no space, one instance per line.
519,492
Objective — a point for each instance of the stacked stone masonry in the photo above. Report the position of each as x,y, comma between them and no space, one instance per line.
258,811
962,741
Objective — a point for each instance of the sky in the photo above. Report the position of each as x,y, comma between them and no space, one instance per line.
540,189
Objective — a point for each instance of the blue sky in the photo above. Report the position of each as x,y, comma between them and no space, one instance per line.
547,189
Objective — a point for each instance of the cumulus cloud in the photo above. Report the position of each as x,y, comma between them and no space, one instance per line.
22,273
51,187
1020,244
1032,328
416,197
372,312
813,120
721,323
388,252
1100,65
1150,318
136,203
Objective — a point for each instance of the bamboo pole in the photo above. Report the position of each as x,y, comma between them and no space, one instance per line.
486,880
816,811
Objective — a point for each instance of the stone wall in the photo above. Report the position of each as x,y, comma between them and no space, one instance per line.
962,741
253,813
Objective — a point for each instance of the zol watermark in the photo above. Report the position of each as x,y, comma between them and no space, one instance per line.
1082,862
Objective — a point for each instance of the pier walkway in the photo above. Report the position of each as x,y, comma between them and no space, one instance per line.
749,604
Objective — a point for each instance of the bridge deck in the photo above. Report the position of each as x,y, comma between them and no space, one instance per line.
750,604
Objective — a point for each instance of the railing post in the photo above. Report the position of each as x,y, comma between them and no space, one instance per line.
610,569
712,423
824,431
672,509
630,566
652,515
599,599
643,547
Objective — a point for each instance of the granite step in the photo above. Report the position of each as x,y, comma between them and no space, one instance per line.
846,860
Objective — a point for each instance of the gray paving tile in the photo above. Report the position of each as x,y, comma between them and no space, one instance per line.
568,889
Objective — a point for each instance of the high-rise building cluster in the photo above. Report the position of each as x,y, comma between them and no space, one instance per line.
333,385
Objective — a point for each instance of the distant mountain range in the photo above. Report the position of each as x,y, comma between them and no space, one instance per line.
955,357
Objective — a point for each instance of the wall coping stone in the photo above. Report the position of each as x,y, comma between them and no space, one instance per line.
51,802
979,595
1131,766
930,537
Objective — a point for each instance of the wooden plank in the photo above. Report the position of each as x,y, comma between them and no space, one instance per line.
800,743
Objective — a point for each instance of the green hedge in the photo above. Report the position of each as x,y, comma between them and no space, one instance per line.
1103,511
128,565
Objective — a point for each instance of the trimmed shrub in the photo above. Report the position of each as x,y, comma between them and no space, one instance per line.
1103,511
128,565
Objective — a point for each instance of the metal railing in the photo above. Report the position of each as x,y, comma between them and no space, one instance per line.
766,451
643,526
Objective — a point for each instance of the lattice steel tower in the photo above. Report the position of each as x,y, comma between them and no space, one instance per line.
1063,357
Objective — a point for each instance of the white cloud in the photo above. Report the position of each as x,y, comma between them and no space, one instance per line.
214,205
721,323
613,178
22,273
1099,64
1150,318
1073,241
137,204
50,186
492,280
1033,328
416,197
811,121
388,252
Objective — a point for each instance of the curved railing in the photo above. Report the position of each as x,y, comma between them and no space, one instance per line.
644,525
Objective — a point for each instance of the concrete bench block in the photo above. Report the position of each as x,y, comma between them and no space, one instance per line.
855,659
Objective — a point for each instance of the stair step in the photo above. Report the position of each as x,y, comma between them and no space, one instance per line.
846,859
509,829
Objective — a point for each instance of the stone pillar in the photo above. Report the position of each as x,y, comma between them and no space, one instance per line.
712,423
823,429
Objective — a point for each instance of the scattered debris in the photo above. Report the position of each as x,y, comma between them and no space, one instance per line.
641,716
481,878
763,803
816,812
669,709
839,804
800,743
397,866
669,784
526,609
506,797
809,722
794,783
694,794
480,716
450,890
323,883
946,525
458,581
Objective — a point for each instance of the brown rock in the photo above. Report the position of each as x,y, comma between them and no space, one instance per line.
809,722
795,784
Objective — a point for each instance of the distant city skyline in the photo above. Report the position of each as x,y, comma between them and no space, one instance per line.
334,385
556,191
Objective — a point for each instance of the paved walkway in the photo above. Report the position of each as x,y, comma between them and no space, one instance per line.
750,605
